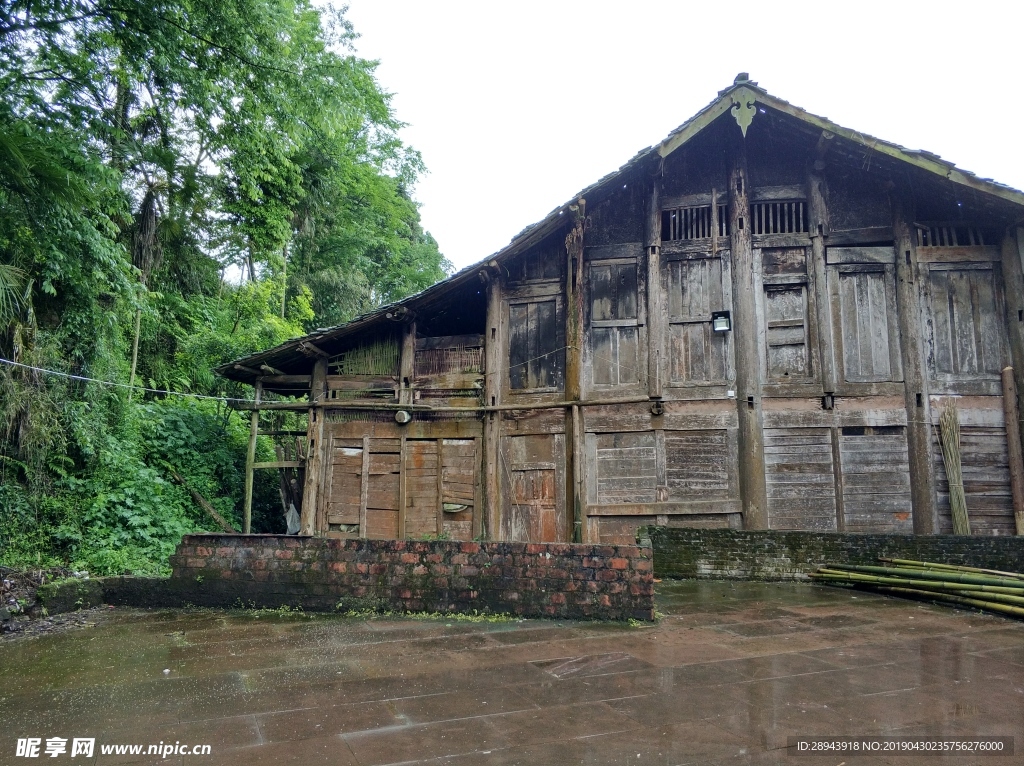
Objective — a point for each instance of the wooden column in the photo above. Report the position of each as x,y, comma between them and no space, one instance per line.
575,500
250,460
315,449
745,284
490,516
1013,444
655,300
407,364
818,220
910,305
1013,279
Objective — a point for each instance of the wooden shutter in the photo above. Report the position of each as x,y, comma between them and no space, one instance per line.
864,310
536,350
967,332
615,352
695,289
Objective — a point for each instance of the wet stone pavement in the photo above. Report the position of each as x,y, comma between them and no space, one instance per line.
727,675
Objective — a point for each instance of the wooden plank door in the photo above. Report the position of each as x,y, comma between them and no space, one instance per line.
534,488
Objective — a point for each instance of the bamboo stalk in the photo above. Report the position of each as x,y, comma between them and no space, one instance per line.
987,606
925,584
950,567
949,431
929,575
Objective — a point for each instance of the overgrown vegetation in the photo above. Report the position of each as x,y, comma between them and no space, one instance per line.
181,182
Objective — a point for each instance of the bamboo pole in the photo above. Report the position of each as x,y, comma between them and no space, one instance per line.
949,432
952,567
986,605
926,575
854,577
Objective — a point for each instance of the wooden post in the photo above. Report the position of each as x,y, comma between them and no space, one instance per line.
745,284
403,488
1013,444
250,460
315,448
915,382
818,220
364,486
655,307
494,372
575,503
407,364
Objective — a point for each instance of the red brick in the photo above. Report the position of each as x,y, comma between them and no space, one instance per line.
197,563
338,566
643,565
469,547
468,571
618,563
420,570
557,598
362,568
282,554
409,558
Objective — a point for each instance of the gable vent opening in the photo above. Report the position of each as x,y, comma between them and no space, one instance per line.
692,223
779,217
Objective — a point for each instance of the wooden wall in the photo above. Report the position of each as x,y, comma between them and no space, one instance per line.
600,398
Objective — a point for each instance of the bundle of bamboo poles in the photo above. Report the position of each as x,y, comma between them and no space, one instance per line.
949,436
987,589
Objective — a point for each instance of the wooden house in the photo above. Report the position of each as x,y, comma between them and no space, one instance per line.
753,324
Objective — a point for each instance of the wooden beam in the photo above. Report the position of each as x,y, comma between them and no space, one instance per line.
297,380
311,500
311,349
909,300
250,461
745,286
450,341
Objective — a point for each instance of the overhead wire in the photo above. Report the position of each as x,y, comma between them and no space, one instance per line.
113,384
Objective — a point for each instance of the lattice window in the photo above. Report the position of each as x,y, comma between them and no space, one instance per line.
778,217
692,223
952,235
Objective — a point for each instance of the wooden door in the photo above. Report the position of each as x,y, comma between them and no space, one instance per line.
532,469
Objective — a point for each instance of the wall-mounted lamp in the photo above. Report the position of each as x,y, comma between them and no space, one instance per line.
721,321
402,417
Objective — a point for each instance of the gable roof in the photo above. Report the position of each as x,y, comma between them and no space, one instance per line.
741,96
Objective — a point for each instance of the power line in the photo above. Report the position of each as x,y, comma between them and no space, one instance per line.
120,385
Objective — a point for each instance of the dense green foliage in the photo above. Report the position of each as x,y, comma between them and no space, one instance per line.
181,182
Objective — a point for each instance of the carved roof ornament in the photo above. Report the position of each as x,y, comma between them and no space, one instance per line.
743,109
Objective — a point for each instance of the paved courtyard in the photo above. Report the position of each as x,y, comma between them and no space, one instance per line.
727,675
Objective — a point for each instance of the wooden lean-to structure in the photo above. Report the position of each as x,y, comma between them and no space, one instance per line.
755,323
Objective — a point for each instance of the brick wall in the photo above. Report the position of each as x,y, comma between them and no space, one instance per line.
749,555
533,580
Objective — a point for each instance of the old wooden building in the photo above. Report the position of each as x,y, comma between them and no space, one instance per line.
754,324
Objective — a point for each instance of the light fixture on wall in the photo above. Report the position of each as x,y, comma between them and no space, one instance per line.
402,417
721,321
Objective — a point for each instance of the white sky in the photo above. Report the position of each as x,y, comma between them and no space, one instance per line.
516,106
